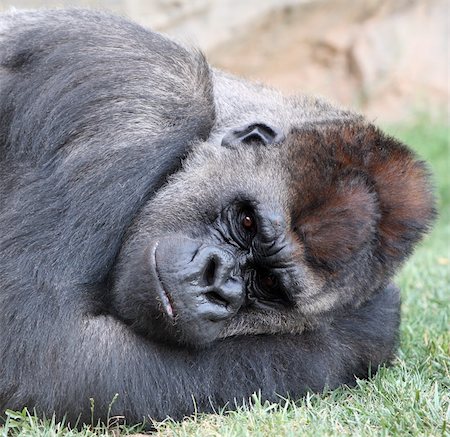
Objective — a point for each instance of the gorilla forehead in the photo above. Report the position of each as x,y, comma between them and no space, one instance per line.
253,174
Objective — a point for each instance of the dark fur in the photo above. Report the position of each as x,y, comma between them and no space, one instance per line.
95,114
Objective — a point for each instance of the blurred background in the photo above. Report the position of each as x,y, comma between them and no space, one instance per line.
387,58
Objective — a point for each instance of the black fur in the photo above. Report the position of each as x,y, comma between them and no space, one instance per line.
95,114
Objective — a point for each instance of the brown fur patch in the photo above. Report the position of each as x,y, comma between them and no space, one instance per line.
338,224
355,186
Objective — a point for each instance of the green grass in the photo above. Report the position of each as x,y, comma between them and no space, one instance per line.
410,398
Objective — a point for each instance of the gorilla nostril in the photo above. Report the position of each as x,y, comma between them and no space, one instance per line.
216,286
209,273
216,298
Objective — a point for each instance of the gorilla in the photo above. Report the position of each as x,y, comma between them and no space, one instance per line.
169,232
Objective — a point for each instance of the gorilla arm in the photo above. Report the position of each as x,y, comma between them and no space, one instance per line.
97,356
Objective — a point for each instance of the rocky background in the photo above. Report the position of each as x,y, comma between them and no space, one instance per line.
388,58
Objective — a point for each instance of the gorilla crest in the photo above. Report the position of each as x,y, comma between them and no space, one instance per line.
169,231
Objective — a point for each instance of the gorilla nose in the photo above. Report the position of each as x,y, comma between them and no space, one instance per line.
218,283
199,283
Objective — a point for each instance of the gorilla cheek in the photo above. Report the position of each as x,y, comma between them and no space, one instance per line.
197,287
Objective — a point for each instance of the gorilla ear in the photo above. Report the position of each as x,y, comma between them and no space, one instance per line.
254,133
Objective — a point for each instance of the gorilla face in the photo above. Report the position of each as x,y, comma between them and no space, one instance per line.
222,250
266,247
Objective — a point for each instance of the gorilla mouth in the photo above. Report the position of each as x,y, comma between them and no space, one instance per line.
164,296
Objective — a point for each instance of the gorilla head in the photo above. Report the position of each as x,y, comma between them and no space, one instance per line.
168,231
285,231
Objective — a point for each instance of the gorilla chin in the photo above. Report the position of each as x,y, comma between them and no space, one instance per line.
170,232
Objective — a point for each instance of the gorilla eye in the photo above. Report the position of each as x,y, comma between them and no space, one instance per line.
268,281
243,225
248,223
267,289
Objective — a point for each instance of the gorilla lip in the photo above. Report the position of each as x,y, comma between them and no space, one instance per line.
162,293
